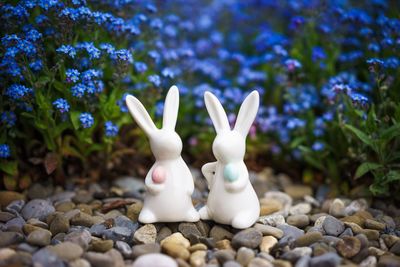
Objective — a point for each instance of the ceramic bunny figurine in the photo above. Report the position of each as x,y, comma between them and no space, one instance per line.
169,182
232,199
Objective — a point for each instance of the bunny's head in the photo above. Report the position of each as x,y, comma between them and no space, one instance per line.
230,145
165,143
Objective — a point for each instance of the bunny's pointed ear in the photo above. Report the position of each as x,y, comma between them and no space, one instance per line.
140,114
217,112
247,113
171,107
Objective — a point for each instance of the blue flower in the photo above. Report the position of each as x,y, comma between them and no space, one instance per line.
78,90
86,119
88,75
109,48
36,65
154,79
18,91
47,4
140,67
72,75
8,118
33,35
318,53
68,50
92,51
61,105
168,73
5,151
292,65
318,146
111,129
122,55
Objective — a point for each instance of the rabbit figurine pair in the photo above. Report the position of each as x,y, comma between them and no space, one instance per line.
169,183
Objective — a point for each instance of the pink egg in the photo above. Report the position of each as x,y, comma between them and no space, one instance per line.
159,175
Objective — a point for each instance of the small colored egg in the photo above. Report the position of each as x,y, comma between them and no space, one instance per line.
159,175
231,173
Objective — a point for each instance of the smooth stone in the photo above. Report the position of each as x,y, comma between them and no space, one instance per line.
65,206
196,247
86,220
6,253
269,230
133,211
372,224
298,191
203,227
82,196
79,263
267,243
303,262
176,238
79,237
15,225
224,255
220,233
187,229
36,222
223,244
349,246
130,184
124,221
97,259
139,250
98,229
27,248
46,258
175,250
100,245
312,201
333,226
59,224
62,196
6,197
67,251
145,235
245,255
198,258
15,206
301,208
346,232
337,208
356,205
299,220
285,200
258,262
118,233
270,206
124,248
373,251
272,220
389,261
37,208
308,239
370,261
6,216
231,264
85,208
164,232
390,240
117,258
155,260
39,238
250,238
396,248
329,259
290,233
330,240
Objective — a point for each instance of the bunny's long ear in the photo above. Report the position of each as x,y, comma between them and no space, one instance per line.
171,107
140,114
247,113
217,112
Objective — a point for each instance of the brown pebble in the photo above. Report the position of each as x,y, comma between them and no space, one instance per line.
349,246
175,250
308,239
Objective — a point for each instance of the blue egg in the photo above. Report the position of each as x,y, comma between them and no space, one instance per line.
231,173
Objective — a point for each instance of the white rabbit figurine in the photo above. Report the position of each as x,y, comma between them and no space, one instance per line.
232,199
169,182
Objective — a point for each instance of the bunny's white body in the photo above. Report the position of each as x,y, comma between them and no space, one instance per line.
169,182
232,199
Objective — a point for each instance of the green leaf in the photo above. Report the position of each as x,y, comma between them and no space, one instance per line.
362,136
365,168
392,176
9,167
74,115
390,132
297,141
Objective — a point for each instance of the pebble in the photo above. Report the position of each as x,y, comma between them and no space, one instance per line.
163,233
79,237
155,260
389,261
303,261
37,208
15,225
250,238
198,258
356,205
329,259
269,230
67,251
139,250
39,237
46,258
86,220
267,243
59,224
372,224
301,208
6,253
290,233
269,206
15,206
124,248
175,250
396,248
82,196
333,226
118,233
244,255
297,253
188,229
6,216
6,197
146,234
196,247
258,262
79,263
284,199
337,208
298,220
177,238
224,255
100,245
348,246
231,264
272,220
133,211
298,191
223,244
370,261
308,239
220,233
65,206
99,259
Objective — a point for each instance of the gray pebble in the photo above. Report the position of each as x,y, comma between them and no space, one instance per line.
124,248
46,258
333,226
37,208
118,233
250,238
155,260
329,259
